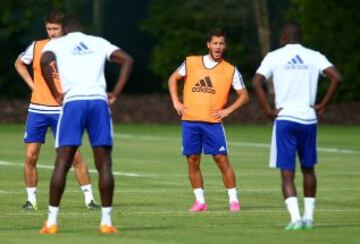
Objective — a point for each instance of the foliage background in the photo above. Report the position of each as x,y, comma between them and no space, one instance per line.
160,33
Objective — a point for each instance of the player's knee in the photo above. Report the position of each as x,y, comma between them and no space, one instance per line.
193,162
78,163
31,158
222,161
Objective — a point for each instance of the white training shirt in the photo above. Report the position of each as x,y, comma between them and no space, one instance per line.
80,59
237,83
295,71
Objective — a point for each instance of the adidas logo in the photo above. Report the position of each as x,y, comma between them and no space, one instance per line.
296,63
81,49
204,85
296,60
222,148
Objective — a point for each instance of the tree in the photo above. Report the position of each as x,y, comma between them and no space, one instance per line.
332,27
262,22
20,23
98,15
180,28
263,29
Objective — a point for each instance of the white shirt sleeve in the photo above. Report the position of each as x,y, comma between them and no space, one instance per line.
28,55
265,68
238,82
109,48
182,69
322,63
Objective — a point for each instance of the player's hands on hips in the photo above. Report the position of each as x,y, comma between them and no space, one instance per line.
273,113
60,98
220,114
180,108
111,98
319,108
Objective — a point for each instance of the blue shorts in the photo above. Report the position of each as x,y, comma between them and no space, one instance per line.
37,125
200,137
290,138
92,115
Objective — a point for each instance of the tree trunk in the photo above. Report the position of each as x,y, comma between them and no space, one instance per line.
262,22
98,14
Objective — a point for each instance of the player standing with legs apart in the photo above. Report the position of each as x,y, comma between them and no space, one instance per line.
44,112
79,60
207,83
295,71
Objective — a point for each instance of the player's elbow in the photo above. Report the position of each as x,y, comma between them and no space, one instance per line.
246,98
338,78
130,61
46,58
18,64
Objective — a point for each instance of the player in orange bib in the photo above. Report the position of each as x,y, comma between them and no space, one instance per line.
207,83
44,111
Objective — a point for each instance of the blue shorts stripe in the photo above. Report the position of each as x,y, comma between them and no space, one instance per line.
293,139
80,115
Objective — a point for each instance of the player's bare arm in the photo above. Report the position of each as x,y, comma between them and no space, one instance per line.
173,89
335,78
257,83
126,62
242,99
49,71
22,70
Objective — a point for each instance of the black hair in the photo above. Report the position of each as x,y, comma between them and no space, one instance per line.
292,30
72,22
54,17
216,32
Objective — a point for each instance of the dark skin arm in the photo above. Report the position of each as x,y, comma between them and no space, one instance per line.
335,78
332,73
50,73
257,83
126,62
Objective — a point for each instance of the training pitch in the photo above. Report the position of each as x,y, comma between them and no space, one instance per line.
152,192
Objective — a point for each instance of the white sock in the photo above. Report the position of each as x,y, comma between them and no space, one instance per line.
232,192
199,195
87,193
106,216
31,194
52,216
293,208
309,207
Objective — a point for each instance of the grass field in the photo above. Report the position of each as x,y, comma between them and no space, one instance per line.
152,192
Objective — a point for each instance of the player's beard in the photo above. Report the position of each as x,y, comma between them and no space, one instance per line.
213,56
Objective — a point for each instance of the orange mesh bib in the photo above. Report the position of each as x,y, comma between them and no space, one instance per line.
41,94
206,90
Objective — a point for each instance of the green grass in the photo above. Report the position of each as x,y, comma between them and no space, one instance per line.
152,207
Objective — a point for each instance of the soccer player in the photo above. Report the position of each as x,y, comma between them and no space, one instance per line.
295,70
207,83
79,60
44,112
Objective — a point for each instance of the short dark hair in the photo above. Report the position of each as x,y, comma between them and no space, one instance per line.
72,22
293,29
216,32
54,17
